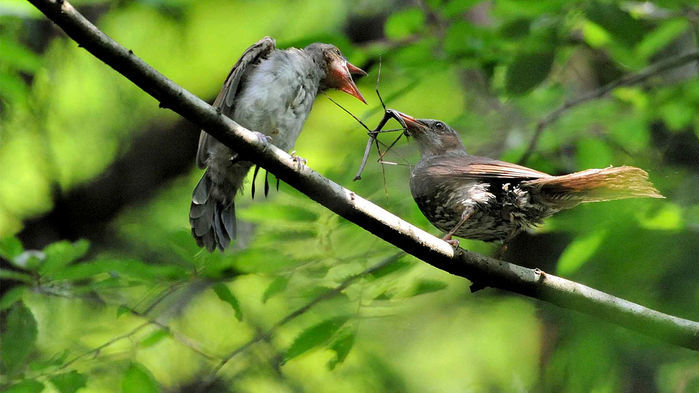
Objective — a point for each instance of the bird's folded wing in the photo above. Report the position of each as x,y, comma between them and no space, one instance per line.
475,167
225,100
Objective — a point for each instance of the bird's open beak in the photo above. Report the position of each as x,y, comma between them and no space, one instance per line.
354,70
343,71
411,124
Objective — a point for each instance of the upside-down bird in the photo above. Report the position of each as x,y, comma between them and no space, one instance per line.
485,199
270,91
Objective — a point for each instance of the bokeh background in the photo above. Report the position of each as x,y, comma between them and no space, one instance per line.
104,290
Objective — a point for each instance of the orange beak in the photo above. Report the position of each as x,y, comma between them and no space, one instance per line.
354,70
343,76
409,122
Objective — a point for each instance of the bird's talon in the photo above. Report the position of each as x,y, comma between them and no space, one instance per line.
298,159
265,139
452,242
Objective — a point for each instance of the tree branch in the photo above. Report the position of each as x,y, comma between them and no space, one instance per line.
626,80
374,219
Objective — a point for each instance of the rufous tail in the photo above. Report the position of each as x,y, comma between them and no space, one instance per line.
596,185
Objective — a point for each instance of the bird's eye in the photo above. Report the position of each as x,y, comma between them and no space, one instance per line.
440,126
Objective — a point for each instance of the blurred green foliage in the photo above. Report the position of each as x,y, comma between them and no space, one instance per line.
311,302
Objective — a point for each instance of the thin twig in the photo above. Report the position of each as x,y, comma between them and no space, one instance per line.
627,80
415,241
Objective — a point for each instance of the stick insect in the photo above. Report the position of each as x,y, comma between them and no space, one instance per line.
373,134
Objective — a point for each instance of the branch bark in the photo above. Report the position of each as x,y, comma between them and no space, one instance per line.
413,240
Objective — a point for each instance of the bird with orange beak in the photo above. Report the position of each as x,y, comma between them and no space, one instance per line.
485,199
270,91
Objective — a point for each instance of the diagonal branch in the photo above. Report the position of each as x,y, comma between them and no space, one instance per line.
626,80
413,240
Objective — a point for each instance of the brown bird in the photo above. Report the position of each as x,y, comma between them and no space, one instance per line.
486,199
270,91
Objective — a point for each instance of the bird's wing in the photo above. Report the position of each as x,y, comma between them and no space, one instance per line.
466,166
226,97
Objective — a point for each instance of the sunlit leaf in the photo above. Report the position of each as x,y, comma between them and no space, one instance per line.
341,345
404,23
625,28
19,337
154,338
276,286
28,260
18,56
579,251
6,274
669,217
427,286
11,297
10,247
69,382
314,336
661,37
137,379
26,386
227,296
62,253
527,71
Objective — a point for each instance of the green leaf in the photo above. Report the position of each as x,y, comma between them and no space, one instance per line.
154,338
661,37
54,361
579,251
341,345
11,297
670,217
427,286
399,265
624,27
276,286
19,337
227,296
137,379
528,70
28,260
125,267
404,23
60,254
593,153
26,386
69,382
18,57
10,247
6,274
314,336
121,310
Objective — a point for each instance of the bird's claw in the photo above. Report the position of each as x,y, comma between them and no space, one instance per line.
298,159
452,242
265,139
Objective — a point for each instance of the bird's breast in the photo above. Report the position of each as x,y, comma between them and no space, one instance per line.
276,99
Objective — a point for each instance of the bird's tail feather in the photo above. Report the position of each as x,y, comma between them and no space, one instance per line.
596,185
212,221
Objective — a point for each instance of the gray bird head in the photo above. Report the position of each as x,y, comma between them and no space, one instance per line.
338,71
433,136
